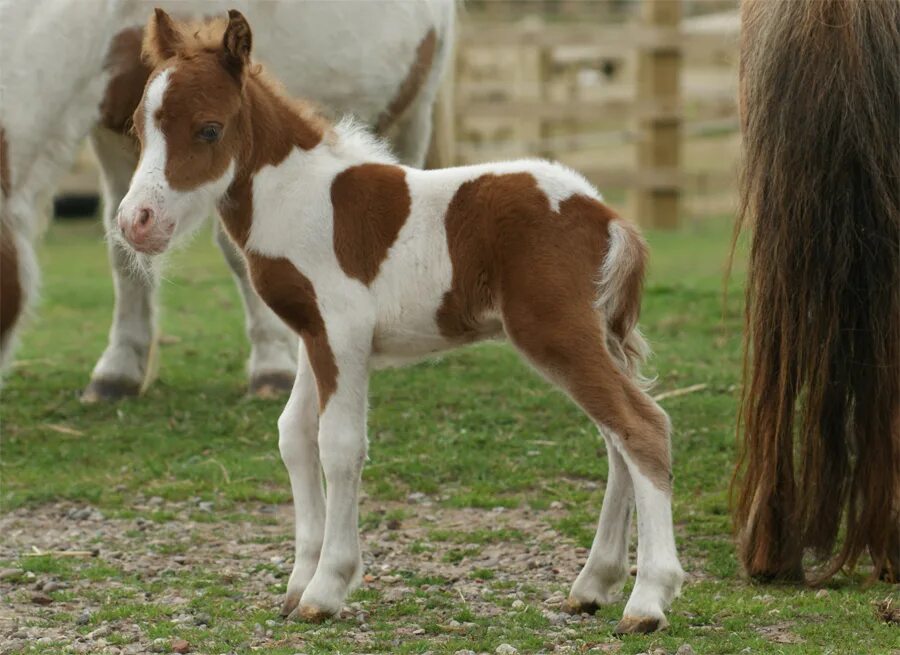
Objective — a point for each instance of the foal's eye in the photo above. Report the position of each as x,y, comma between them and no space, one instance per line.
210,132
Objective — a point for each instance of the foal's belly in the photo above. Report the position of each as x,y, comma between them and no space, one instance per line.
414,338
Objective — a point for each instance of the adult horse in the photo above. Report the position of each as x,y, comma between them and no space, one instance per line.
72,68
820,81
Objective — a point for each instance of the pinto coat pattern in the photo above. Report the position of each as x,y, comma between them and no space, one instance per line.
374,263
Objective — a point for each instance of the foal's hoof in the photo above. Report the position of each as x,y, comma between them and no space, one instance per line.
271,385
632,625
573,606
109,390
290,603
311,614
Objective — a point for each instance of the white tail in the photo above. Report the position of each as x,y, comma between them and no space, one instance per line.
619,296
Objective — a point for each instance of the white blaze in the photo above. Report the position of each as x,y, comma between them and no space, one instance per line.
185,210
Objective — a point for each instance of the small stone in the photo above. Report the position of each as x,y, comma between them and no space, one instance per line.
41,599
84,618
555,599
202,619
822,593
464,652
10,574
416,497
53,586
684,649
155,501
556,505
205,506
102,631
180,646
506,649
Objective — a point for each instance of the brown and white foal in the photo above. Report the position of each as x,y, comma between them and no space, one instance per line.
373,263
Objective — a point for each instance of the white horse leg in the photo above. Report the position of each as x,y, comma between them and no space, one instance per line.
297,441
412,135
272,343
125,366
659,575
342,449
603,576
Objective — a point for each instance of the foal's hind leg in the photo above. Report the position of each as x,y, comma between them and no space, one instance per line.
603,576
568,345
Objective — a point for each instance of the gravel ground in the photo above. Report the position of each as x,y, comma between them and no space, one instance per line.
253,553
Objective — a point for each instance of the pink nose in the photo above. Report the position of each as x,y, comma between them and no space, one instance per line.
137,230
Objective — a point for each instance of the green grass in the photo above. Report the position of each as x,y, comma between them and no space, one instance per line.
472,429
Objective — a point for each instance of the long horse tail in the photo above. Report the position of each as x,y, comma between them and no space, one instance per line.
820,411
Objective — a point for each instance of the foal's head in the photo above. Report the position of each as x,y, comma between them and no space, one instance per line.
189,125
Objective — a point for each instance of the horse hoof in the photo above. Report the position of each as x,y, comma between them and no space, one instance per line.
109,390
289,605
633,625
573,606
310,614
271,385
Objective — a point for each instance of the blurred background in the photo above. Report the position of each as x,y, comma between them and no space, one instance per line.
639,95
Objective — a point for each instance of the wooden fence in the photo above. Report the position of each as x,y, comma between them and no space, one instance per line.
518,92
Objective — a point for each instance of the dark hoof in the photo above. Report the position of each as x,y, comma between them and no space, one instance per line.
572,606
105,390
290,603
639,625
271,385
311,614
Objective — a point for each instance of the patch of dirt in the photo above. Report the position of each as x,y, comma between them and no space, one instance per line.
888,611
780,633
254,555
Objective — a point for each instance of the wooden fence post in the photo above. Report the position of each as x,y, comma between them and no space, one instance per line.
656,198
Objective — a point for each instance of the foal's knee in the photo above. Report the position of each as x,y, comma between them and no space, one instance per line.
296,432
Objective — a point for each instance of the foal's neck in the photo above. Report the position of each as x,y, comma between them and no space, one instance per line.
274,125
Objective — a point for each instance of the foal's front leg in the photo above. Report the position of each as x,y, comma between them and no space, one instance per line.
297,441
342,451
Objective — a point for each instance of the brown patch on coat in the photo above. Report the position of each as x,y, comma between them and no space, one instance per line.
291,295
412,83
513,254
5,176
371,203
128,77
10,286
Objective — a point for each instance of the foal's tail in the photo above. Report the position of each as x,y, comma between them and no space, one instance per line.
820,445
619,289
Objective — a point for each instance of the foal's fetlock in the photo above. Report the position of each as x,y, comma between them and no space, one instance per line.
596,587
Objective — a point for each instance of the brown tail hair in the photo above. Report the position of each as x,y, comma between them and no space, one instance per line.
820,437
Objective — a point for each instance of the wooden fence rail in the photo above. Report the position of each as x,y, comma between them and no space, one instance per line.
523,103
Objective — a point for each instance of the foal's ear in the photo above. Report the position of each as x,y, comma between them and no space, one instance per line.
236,44
162,38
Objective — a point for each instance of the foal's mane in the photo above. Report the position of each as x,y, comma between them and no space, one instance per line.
205,37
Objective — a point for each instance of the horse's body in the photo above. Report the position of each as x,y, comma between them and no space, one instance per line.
380,61
820,82
375,263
